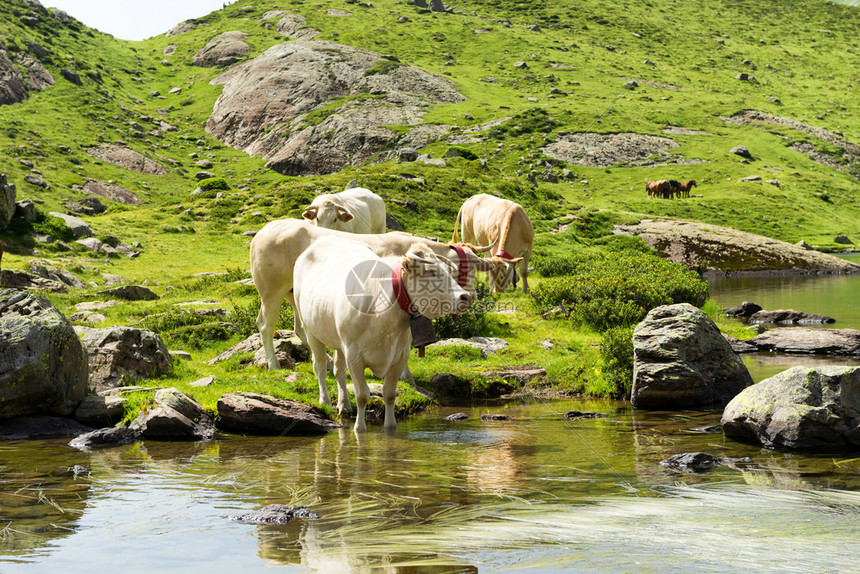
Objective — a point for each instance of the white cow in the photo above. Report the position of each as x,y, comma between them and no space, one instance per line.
276,247
359,305
491,220
356,210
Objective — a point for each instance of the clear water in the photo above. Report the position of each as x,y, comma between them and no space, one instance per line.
539,493
836,296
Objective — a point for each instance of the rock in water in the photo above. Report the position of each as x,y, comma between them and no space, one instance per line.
680,360
692,461
801,408
43,366
275,514
261,414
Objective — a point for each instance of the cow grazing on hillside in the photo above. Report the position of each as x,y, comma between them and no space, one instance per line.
276,247
356,210
487,220
359,305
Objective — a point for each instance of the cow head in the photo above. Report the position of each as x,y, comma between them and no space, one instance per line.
502,272
429,282
327,214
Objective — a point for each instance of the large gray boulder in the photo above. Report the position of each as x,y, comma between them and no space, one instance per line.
223,49
801,408
286,82
680,360
78,226
13,88
253,413
47,270
119,352
7,201
177,417
43,366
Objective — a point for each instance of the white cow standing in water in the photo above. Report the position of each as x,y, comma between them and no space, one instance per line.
356,210
492,220
275,249
359,305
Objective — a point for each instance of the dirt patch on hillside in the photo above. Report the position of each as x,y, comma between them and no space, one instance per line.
604,150
724,251
847,158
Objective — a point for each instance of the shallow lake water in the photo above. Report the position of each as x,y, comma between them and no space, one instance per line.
837,296
538,493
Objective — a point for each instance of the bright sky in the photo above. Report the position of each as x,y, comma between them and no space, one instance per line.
135,19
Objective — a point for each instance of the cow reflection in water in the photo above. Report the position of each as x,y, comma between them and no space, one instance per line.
365,509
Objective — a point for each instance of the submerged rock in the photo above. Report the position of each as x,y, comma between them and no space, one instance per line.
275,514
584,415
790,316
261,414
692,461
105,437
806,340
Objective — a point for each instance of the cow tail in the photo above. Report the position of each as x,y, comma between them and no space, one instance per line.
455,238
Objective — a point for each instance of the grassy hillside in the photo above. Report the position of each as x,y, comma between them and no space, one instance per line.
543,72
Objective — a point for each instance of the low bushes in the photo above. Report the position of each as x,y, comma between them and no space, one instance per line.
603,290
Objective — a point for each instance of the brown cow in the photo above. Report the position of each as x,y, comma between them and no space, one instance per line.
490,220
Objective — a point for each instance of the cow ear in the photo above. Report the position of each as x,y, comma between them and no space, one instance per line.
310,213
343,214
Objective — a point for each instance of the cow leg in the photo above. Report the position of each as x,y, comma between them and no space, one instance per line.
359,383
267,319
524,270
320,360
389,392
407,375
343,405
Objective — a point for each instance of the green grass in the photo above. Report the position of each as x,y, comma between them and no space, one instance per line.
683,56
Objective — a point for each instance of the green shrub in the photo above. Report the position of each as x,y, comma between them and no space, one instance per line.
382,67
616,354
244,316
197,336
618,289
53,226
472,323
534,120
214,183
623,243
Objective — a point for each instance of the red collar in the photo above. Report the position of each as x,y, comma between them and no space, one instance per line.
505,254
464,265
400,291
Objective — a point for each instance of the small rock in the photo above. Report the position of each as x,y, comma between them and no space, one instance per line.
275,514
105,437
692,461
457,417
204,382
742,151
584,415
495,417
